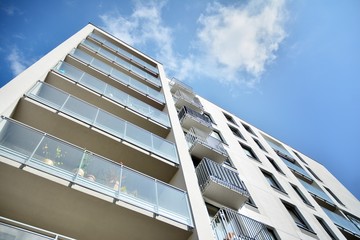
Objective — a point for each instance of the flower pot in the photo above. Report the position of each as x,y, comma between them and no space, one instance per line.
79,171
48,162
91,177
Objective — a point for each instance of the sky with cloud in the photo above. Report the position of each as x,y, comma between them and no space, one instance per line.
291,68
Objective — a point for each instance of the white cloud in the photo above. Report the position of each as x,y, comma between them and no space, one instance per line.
17,61
238,41
144,27
232,44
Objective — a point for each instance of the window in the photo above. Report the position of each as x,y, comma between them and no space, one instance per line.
354,220
236,132
209,116
300,194
334,196
299,157
251,202
229,163
326,228
272,233
249,152
277,168
247,128
316,176
217,135
259,144
272,181
297,217
229,118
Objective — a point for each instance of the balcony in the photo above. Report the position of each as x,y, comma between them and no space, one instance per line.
190,118
122,63
112,93
178,85
317,193
202,145
297,170
183,99
11,230
92,175
124,53
343,224
117,75
230,225
96,117
221,184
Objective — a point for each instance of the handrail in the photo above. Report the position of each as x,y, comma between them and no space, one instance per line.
123,52
111,92
112,57
49,154
209,170
193,136
117,75
193,100
228,224
94,116
194,114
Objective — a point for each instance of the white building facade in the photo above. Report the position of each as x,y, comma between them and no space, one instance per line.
97,143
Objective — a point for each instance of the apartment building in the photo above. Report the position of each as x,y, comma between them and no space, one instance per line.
96,142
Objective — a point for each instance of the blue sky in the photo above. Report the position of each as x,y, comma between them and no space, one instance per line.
291,68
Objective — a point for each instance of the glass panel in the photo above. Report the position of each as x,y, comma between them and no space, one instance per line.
342,222
13,233
101,66
316,191
18,141
93,83
49,95
116,95
164,148
80,109
57,154
110,124
69,71
173,202
139,187
138,136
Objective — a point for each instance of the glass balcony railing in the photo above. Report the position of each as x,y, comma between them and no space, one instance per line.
123,52
176,84
118,75
12,230
78,109
317,192
195,136
342,222
190,99
297,169
228,224
204,120
46,153
111,92
209,170
112,57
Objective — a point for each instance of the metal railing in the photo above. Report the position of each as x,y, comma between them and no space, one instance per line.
342,222
185,111
190,99
49,154
194,136
230,225
123,52
111,92
117,75
317,192
209,170
94,116
112,57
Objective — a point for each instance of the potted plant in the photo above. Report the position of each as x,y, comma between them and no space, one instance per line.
53,158
81,171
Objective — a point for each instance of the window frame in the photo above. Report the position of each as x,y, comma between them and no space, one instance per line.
301,195
334,196
275,165
236,132
295,214
248,149
248,129
230,119
272,181
326,228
